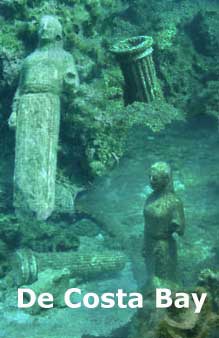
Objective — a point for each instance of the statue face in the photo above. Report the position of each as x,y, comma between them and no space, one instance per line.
50,29
160,176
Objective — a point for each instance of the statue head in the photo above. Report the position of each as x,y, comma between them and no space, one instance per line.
50,30
161,177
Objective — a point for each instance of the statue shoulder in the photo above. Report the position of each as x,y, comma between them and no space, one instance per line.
33,58
28,59
174,197
68,57
178,200
150,199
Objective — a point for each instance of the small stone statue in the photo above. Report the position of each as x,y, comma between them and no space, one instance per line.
164,218
45,75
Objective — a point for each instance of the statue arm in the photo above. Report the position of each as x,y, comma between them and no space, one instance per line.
144,250
13,116
178,220
71,79
145,237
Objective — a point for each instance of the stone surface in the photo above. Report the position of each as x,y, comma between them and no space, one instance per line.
36,114
55,282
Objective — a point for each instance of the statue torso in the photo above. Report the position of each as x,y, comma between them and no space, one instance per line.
43,72
158,213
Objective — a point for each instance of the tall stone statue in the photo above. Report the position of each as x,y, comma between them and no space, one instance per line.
45,75
164,217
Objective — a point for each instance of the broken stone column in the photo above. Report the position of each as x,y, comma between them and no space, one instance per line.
26,264
135,59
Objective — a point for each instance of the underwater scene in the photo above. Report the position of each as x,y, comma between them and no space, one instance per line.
109,169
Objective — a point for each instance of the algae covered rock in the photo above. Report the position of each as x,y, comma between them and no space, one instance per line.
41,237
65,195
204,31
55,282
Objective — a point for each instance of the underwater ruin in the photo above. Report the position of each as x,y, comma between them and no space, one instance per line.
109,163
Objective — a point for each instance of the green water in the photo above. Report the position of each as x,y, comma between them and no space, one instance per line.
107,142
